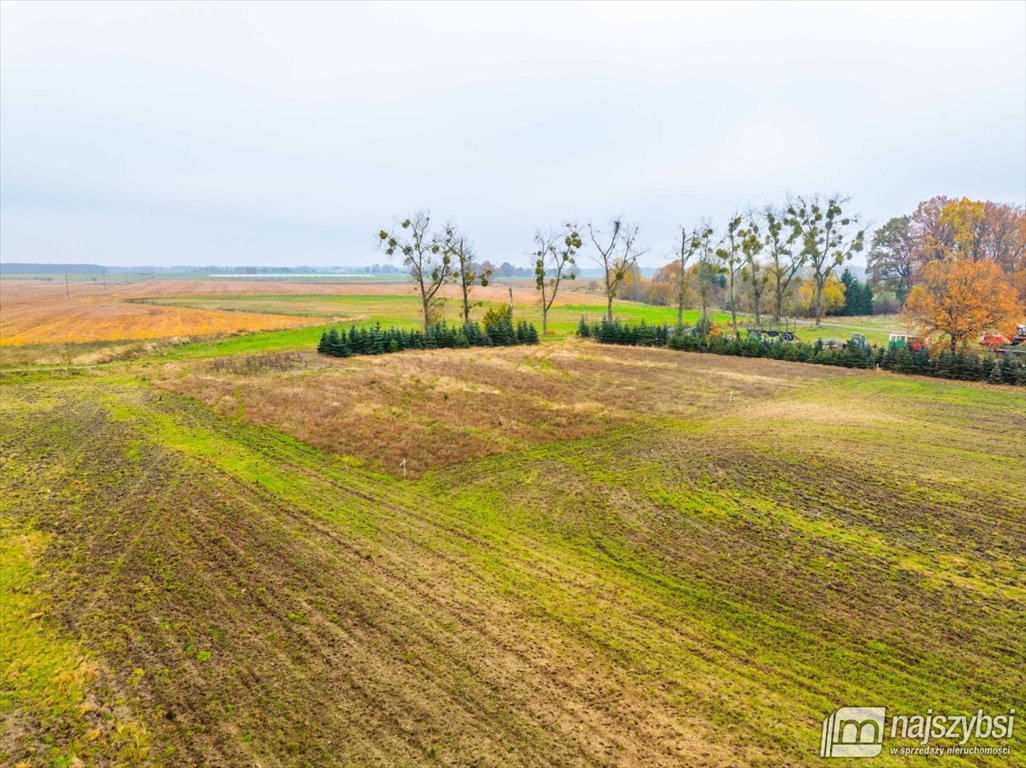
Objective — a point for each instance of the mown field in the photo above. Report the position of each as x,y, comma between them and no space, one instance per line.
599,556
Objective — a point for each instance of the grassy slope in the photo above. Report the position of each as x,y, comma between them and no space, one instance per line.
660,594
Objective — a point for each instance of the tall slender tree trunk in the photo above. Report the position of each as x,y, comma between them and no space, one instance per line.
733,306
680,276
609,298
680,298
426,304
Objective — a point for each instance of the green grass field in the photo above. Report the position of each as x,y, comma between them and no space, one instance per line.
728,551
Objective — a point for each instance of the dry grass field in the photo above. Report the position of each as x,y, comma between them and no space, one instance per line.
40,324
38,313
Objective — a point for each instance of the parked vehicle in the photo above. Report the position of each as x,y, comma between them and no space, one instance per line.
992,340
913,343
1020,336
773,334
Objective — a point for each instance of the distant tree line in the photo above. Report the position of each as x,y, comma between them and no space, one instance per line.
375,340
764,261
956,267
944,363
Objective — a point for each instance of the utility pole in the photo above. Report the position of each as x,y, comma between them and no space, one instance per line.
67,289
511,302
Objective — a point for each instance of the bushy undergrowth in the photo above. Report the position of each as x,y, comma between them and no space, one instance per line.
375,340
944,364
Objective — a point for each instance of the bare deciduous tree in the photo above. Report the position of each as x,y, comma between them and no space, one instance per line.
708,270
785,260
729,255
754,271
617,255
467,273
427,257
554,262
827,241
690,243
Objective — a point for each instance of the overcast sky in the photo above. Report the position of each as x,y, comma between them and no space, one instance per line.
234,133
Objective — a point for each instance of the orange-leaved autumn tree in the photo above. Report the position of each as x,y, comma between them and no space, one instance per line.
961,299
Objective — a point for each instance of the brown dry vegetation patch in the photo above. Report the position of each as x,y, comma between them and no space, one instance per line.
441,407
36,312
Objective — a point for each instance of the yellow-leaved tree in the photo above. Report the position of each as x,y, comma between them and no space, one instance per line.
832,298
960,300
966,222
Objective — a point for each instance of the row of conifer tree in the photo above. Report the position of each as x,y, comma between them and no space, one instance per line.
946,364
375,340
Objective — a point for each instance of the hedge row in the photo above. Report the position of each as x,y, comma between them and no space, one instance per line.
375,340
943,364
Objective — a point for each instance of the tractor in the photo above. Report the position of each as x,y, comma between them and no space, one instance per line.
1020,336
